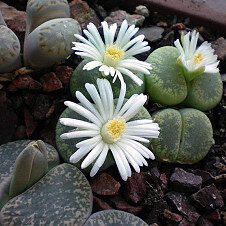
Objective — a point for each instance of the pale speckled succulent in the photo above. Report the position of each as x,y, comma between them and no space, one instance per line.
167,85
23,163
113,218
48,38
186,135
40,11
9,49
49,33
62,197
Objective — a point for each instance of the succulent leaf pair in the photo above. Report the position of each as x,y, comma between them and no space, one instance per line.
48,38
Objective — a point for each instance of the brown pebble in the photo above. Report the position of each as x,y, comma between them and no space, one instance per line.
50,82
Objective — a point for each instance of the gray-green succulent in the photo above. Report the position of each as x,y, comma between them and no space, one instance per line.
167,85
186,135
9,49
23,163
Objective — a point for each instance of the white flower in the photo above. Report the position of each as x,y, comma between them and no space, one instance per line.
110,127
196,59
114,57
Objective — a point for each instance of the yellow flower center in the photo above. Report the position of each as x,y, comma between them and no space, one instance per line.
197,58
113,55
113,130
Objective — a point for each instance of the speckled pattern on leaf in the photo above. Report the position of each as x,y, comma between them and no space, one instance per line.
10,151
114,218
62,197
165,84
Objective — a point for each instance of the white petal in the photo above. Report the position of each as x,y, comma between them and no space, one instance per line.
137,138
96,98
91,65
136,79
100,161
124,160
88,142
78,123
82,111
119,163
92,155
135,108
86,103
121,33
120,99
139,122
81,152
79,134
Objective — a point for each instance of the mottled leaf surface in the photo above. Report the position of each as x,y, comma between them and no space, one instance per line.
10,151
62,197
114,218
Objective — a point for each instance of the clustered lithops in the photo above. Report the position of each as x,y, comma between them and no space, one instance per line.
110,124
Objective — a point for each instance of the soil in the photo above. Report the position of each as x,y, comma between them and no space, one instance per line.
159,195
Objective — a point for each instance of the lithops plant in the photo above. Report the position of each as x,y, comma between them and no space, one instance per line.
66,147
62,197
49,33
169,84
22,164
113,218
165,84
9,49
80,77
40,11
204,92
186,135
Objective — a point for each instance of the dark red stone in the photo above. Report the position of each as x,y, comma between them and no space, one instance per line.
41,107
119,15
204,222
51,110
184,181
208,198
105,184
214,216
63,73
163,178
135,189
220,48
121,204
182,204
15,20
30,122
50,82
172,216
81,12
24,82
178,26
204,12
101,204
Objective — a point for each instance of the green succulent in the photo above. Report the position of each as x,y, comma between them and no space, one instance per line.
114,218
62,197
80,77
23,163
186,135
167,85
